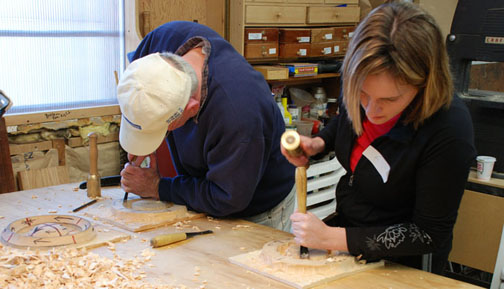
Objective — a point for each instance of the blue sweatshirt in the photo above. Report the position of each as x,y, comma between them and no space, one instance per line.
228,157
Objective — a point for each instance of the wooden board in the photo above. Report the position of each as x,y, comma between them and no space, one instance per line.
478,229
45,177
77,141
138,215
278,261
104,236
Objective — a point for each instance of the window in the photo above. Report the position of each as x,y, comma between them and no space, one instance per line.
60,54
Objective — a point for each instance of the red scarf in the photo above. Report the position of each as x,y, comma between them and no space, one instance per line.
370,133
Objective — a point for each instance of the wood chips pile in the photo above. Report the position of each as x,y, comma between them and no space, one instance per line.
70,268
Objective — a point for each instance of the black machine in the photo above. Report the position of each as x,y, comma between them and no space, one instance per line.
477,34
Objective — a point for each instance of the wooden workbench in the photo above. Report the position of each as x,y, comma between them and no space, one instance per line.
203,260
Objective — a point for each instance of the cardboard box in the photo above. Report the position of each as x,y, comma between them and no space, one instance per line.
271,72
302,69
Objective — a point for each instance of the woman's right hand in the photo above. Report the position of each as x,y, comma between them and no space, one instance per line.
310,147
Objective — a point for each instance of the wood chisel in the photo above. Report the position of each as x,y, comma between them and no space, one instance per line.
126,193
291,141
163,240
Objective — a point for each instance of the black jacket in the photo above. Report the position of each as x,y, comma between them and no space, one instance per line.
414,211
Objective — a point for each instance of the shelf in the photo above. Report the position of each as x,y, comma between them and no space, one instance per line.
306,79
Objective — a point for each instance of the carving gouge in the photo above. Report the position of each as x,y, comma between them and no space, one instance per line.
163,240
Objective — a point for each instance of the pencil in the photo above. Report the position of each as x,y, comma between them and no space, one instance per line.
85,205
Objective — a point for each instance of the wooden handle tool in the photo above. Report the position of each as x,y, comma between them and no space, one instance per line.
163,240
291,141
126,193
93,181
301,202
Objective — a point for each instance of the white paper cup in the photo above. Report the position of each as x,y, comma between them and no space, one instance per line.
485,167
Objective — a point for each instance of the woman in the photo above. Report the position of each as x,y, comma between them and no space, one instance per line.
405,141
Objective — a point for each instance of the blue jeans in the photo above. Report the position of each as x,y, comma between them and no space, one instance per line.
279,216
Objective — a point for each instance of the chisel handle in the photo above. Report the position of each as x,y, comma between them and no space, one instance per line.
301,189
163,240
301,199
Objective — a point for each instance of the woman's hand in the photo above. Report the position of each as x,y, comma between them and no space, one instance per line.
141,181
311,232
310,147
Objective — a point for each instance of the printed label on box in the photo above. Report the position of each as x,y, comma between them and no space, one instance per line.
350,34
302,52
255,36
328,36
327,50
336,49
304,39
272,51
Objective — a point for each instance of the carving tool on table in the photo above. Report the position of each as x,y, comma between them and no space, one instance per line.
126,193
291,141
93,181
163,240
85,205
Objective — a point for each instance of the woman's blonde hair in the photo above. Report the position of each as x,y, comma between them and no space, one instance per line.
404,40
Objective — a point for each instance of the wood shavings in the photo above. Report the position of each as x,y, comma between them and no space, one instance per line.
212,219
70,268
1,217
217,227
111,246
75,189
34,197
196,228
52,211
240,226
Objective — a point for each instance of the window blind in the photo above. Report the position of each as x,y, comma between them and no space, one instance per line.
60,54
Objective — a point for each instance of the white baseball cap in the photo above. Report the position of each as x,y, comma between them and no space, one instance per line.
151,93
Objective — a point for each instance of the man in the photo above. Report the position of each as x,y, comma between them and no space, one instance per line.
224,127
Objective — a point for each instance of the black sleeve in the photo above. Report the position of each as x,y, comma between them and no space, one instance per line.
440,179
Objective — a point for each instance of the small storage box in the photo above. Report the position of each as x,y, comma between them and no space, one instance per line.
271,72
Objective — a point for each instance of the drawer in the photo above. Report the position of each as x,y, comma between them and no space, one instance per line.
322,49
322,35
294,50
275,14
343,33
340,48
266,50
341,1
254,35
305,1
333,14
266,1
294,35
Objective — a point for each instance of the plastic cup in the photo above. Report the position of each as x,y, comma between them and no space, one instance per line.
485,167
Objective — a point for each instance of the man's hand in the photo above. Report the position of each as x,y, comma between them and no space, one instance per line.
311,232
141,181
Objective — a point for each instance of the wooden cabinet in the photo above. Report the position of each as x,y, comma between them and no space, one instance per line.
142,16
317,19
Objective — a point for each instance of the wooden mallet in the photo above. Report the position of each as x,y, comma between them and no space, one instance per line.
93,181
291,142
